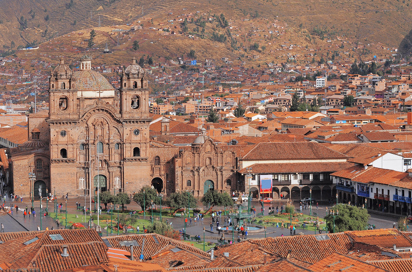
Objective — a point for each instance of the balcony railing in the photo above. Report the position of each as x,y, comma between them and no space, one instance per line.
395,197
401,198
348,189
363,193
382,197
407,199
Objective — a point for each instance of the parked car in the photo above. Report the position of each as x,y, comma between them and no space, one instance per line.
267,200
307,199
244,198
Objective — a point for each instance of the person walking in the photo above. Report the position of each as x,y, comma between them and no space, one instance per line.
211,226
137,229
24,214
2,227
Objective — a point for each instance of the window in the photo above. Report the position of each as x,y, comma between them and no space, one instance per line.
285,177
124,85
407,162
63,133
81,146
63,103
99,147
157,160
208,161
52,86
228,182
63,85
306,176
136,152
35,135
136,132
117,146
135,102
39,164
135,85
189,183
63,153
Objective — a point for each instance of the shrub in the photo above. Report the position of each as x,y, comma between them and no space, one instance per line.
290,209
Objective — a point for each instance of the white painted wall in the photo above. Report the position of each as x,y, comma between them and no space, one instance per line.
389,161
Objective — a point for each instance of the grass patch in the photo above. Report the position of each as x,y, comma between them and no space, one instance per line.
200,245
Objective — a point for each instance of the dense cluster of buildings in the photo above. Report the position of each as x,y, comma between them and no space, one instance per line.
63,250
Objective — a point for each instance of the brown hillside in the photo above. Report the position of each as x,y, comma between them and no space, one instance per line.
366,21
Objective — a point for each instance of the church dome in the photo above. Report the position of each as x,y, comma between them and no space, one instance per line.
88,80
200,140
135,69
62,70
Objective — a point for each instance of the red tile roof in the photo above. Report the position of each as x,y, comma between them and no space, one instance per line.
267,168
292,151
339,262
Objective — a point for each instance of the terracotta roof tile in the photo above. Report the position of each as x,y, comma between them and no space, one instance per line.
338,262
396,265
292,151
267,168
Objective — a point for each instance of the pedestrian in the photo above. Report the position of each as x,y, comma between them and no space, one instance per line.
394,224
24,214
217,224
38,228
190,220
317,206
218,230
17,209
211,226
246,234
137,229
2,227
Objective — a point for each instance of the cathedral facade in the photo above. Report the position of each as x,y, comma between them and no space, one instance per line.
96,137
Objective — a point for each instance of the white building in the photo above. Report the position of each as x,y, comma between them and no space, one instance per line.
321,82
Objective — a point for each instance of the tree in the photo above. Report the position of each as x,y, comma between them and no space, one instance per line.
212,117
159,101
136,45
150,61
91,40
141,61
217,199
105,198
192,54
181,200
46,18
295,102
145,196
348,100
348,218
12,45
122,199
239,111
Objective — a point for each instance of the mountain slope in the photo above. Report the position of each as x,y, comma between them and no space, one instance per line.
367,21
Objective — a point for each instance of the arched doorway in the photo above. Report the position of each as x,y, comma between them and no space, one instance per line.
40,186
157,184
209,185
100,179
255,192
295,194
284,192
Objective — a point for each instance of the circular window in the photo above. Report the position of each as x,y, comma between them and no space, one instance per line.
63,133
136,132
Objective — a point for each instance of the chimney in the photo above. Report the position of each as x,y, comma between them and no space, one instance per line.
212,254
394,247
65,252
165,126
131,252
288,256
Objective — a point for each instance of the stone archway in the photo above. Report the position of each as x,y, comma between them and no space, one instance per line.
157,184
254,192
285,192
40,186
327,192
295,193
208,185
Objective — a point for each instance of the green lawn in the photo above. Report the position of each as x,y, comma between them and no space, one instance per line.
199,245
297,221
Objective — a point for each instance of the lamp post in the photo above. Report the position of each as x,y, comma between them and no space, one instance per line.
233,234
366,203
41,213
94,198
337,200
66,214
55,202
265,231
160,208
32,177
144,204
152,209
118,223
47,203
249,200
310,200
111,219
204,246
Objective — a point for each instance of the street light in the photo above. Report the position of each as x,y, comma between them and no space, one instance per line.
160,207
366,203
333,213
152,209
32,177
118,222
204,246
144,204
66,214
111,219
337,200
41,214
310,200
249,170
47,203
55,202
